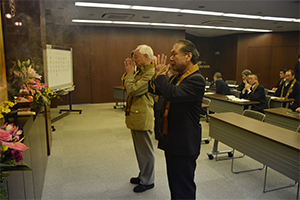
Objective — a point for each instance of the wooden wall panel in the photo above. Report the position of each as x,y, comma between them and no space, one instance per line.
225,61
282,57
259,63
100,54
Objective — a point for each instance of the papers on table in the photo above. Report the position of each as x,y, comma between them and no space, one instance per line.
236,99
232,85
209,93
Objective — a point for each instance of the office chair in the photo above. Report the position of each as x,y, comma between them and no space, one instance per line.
207,102
266,91
231,82
236,93
268,99
254,115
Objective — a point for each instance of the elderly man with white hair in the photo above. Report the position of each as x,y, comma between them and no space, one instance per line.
140,114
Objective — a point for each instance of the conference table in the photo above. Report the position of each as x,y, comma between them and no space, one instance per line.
119,94
221,103
277,102
283,117
273,146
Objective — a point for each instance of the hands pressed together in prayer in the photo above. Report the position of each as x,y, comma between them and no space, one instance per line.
128,65
161,64
247,87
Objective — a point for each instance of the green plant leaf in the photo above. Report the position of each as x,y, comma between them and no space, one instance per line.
3,175
19,63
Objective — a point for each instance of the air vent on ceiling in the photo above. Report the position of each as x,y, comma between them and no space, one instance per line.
117,16
216,22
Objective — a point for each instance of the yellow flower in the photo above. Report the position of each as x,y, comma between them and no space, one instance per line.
4,148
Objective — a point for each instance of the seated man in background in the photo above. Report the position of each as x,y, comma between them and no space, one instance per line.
255,92
290,88
245,74
281,79
221,86
295,105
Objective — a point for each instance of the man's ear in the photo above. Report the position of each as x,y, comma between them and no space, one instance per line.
189,56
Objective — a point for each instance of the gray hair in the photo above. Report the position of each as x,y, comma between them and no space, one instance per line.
145,49
246,72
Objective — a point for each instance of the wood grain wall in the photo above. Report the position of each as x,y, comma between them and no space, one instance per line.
263,53
99,53
266,54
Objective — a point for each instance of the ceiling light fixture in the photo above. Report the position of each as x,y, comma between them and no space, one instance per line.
102,5
170,25
198,12
161,9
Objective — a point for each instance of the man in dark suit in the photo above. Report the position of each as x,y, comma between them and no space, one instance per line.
221,86
255,92
180,130
290,88
281,79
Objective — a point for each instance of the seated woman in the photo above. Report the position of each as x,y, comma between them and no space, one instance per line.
221,86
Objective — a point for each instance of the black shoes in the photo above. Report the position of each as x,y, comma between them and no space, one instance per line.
143,188
135,180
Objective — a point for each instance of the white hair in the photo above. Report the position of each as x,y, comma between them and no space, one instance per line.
145,49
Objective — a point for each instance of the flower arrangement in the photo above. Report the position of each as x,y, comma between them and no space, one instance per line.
11,152
5,107
29,85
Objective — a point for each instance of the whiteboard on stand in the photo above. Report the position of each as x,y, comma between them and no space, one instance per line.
59,70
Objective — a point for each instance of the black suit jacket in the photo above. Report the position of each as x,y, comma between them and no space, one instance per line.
295,104
257,95
241,86
184,131
293,94
222,87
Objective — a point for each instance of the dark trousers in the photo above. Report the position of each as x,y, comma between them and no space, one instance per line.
181,172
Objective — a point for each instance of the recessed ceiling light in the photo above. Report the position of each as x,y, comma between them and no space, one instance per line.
170,25
188,11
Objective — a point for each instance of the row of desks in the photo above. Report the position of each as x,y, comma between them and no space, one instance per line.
271,145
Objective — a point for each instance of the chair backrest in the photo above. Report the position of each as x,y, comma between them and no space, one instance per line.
266,91
206,101
298,129
236,93
268,99
254,114
232,82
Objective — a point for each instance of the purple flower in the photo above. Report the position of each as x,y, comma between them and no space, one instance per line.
17,155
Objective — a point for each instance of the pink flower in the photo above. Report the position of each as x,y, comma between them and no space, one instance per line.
36,87
5,136
32,73
17,155
16,145
44,85
31,81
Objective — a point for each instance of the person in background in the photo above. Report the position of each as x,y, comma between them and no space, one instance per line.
297,69
255,92
245,74
281,79
295,105
221,86
140,114
180,130
290,88
158,99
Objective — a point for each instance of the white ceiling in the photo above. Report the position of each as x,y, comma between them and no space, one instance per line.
63,11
